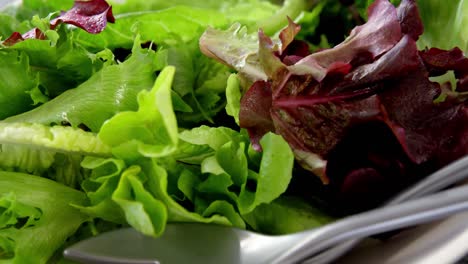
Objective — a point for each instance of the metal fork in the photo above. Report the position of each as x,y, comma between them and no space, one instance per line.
453,173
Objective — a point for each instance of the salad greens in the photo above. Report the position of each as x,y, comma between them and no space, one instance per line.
124,125
447,24
337,107
112,115
36,217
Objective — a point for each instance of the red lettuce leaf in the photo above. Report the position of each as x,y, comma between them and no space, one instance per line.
368,41
90,15
439,61
362,115
288,34
255,113
324,73
368,166
410,20
14,38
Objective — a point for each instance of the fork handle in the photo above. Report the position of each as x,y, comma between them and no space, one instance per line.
379,220
455,172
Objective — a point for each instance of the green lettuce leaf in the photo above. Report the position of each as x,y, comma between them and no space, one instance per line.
99,187
53,152
253,13
179,23
152,129
444,24
291,8
14,211
273,177
215,138
248,11
111,90
199,82
29,8
233,97
232,172
56,138
164,22
137,186
286,215
268,15
142,210
9,24
138,195
142,5
159,180
150,187
16,80
45,206
56,64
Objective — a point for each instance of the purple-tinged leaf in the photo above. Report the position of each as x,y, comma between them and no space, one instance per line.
90,15
377,36
439,61
360,115
268,54
255,112
396,63
376,76
410,20
14,38
288,34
